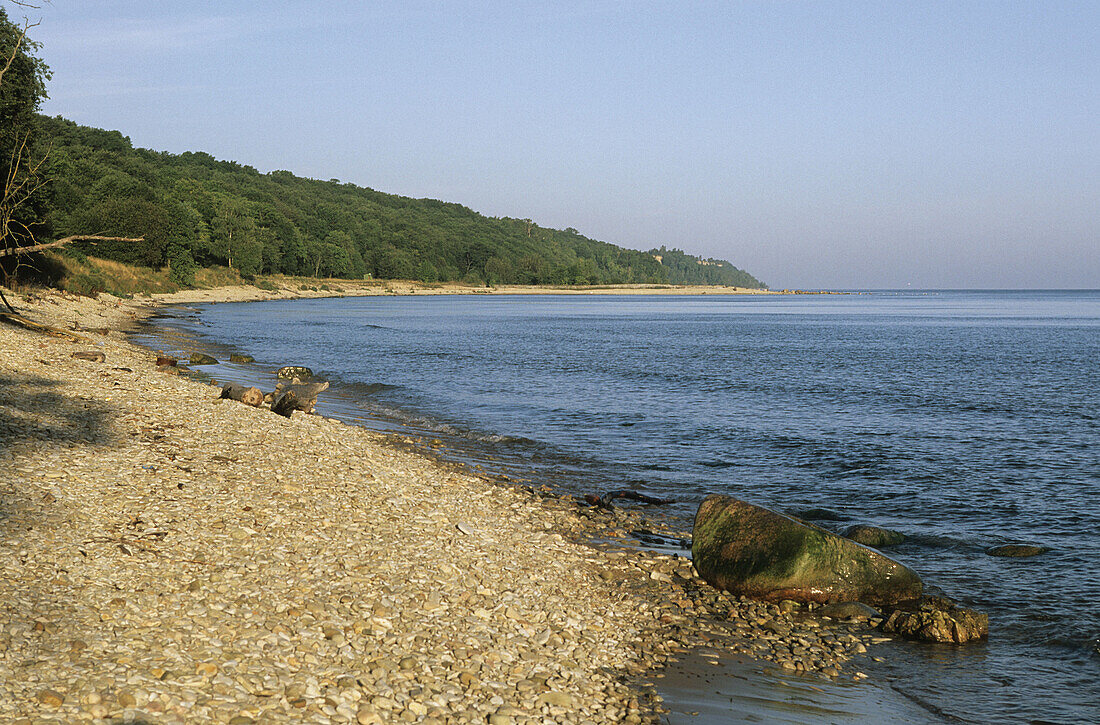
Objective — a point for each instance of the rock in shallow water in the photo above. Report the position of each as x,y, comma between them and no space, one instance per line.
935,619
873,536
1017,550
294,371
752,551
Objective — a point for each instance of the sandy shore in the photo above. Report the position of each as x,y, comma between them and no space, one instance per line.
292,288
168,556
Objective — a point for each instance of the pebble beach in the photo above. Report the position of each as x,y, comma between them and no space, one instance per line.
168,556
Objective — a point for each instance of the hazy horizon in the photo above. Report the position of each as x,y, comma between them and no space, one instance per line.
930,146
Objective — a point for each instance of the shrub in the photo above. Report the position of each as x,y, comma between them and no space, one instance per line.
87,284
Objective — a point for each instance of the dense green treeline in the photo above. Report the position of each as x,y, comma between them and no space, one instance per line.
194,210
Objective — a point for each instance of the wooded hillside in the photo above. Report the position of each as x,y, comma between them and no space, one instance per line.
194,210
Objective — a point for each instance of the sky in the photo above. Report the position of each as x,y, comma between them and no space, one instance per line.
814,144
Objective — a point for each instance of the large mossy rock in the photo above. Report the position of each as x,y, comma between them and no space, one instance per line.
752,551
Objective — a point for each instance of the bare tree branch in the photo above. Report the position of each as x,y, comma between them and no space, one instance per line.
27,25
67,240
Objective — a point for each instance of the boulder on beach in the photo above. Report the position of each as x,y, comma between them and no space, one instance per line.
937,619
201,358
752,551
874,536
1017,550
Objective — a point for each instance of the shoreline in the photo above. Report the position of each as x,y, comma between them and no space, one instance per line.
503,577
290,288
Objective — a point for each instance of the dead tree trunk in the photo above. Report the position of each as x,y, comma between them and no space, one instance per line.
290,398
248,396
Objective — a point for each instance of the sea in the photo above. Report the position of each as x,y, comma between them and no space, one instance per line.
963,419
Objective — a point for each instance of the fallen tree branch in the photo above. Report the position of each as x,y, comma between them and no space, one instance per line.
67,240
604,501
20,321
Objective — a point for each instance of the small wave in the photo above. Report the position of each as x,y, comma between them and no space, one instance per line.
717,464
366,389
940,541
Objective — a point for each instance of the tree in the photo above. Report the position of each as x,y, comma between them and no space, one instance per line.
23,79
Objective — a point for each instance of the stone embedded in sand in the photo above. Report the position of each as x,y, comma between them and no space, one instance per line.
935,619
874,536
1017,550
752,551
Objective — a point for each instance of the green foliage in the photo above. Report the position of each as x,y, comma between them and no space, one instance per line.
22,90
228,214
181,265
687,269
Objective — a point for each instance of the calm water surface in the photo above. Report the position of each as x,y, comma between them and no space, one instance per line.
963,419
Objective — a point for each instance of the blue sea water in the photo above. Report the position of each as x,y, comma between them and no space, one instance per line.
962,419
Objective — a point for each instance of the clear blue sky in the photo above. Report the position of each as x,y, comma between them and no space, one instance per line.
816,144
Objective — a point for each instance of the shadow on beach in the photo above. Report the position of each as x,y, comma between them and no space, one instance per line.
32,410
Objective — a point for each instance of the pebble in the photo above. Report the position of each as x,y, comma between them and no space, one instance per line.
190,565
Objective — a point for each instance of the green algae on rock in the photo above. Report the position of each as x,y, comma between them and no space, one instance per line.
752,551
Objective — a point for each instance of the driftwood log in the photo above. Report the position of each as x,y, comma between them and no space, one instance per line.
20,321
248,396
289,398
605,501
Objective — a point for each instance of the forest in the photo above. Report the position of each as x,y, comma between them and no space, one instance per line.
194,210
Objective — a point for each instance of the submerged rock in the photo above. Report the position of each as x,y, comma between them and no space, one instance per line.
936,619
752,551
1017,550
201,358
239,358
875,536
